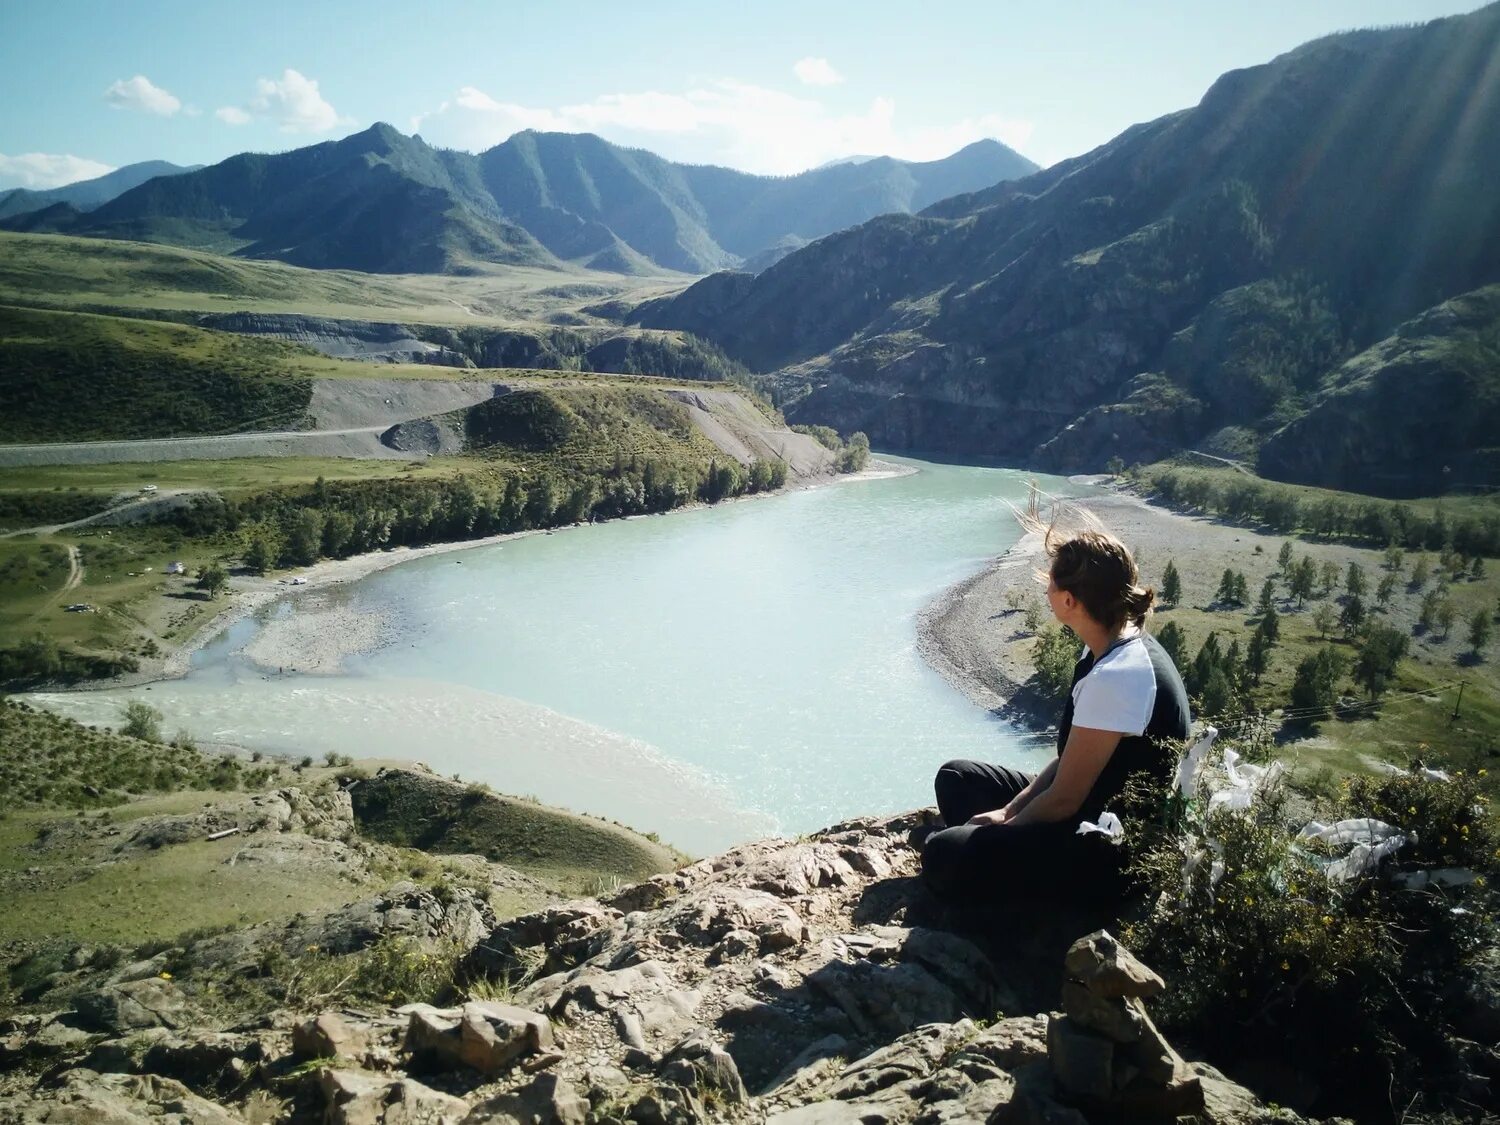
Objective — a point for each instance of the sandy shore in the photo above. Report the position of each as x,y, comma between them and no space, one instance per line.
324,629
972,637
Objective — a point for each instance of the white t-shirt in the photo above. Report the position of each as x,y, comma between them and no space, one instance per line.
1119,691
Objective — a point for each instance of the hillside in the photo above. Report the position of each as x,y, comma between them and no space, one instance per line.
359,943
71,376
1207,268
85,195
383,202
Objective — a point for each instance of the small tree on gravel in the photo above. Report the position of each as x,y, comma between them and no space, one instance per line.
1171,584
1353,616
1174,643
1284,557
1385,591
1267,598
1315,685
1393,558
1431,602
1258,654
1270,625
1354,581
213,580
1302,579
1446,615
1480,629
1329,572
1054,657
1032,620
1421,570
1381,651
1323,620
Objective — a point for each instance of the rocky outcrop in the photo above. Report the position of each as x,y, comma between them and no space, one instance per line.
369,341
794,981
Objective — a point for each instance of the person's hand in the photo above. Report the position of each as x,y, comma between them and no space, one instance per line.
994,816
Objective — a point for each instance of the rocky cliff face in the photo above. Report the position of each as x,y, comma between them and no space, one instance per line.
791,981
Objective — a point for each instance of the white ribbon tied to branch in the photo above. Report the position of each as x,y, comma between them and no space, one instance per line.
1243,782
1108,826
1373,841
1191,764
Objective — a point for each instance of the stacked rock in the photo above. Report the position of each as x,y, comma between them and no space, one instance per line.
1105,1052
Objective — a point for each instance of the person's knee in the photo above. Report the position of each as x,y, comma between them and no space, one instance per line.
950,777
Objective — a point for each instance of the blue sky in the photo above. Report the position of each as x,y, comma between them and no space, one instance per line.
773,86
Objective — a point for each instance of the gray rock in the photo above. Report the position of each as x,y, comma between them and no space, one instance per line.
327,1036
487,1036
700,1063
830,1112
1082,1060
816,1063
886,1001
546,1100
1011,1043
359,1098
132,1006
1106,968
1118,1019
85,1096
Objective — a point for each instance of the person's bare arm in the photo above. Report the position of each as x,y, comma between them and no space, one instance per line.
1038,784
1082,760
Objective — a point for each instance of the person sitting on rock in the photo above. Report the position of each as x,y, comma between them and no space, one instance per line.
1011,834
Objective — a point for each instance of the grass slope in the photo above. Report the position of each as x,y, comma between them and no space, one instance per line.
418,810
105,275
72,377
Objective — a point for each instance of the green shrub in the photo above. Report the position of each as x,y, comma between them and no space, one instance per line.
142,721
1352,980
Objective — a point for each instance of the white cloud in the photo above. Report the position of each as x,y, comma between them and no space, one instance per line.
748,127
38,170
292,102
817,72
142,94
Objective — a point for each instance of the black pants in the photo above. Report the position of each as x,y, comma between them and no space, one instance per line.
982,863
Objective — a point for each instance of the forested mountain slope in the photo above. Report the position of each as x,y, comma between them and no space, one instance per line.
1209,268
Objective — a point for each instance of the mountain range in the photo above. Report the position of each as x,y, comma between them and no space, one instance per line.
381,201
1226,276
85,195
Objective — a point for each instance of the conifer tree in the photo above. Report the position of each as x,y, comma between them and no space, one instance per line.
1171,584
1354,581
1480,629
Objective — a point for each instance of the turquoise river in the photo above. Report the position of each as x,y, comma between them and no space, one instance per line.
710,675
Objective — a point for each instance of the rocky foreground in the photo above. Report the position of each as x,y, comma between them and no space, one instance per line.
789,981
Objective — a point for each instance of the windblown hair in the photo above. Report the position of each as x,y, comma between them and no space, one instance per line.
1092,565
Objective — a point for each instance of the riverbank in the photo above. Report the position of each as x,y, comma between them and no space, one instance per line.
323,629
975,640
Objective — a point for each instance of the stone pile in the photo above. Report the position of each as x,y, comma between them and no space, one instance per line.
1105,1052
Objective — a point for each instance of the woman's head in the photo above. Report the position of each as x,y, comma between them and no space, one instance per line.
1097,570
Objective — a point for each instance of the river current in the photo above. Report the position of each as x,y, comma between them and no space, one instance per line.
710,675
